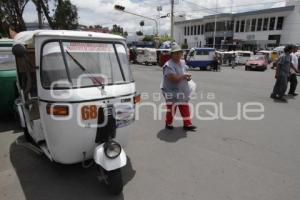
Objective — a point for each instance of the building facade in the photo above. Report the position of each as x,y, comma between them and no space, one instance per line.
248,30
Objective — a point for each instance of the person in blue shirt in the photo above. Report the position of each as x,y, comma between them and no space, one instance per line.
176,89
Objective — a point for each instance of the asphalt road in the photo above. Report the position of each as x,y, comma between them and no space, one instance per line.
223,160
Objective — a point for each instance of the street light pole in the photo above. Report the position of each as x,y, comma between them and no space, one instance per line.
215,28
159,9
172,19
117,7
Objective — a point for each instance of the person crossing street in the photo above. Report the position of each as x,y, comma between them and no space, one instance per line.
175,89
293,72
282,74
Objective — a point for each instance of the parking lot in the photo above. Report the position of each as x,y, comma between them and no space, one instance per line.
224,159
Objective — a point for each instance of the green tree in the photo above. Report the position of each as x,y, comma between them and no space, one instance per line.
65,15
139,33
142,24
148,38
164,38
125,34
184,46
11,14
118,30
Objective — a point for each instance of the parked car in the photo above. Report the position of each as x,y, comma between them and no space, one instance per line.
268,55
241,57
279,49
257,62
228,57
146,56
8,91
201,58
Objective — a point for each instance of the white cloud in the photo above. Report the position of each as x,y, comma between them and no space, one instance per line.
102,12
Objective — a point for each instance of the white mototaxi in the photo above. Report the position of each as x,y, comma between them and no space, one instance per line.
77,97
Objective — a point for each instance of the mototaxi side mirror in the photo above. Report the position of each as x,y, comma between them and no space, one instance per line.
19,50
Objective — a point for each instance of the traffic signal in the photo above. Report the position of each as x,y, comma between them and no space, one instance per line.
118,7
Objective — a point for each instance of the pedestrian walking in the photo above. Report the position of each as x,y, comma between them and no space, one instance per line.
282,74
215,62
293,72
176,89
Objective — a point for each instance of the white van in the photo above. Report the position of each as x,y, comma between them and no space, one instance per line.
241,57
146,56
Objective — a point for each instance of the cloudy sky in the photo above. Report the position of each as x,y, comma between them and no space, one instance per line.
92,12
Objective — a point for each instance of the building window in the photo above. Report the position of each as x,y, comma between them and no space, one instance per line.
199,31
247,25
188,30
202,29
209,27
272,23
242,26
195,30
276,38
230,26
253,25
259,24
280,23
185,30
237,26
192,30
266,22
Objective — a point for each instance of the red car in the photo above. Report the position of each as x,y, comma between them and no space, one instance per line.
257,62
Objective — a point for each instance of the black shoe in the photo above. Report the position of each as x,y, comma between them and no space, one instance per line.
293,94
170,127
273,96
189,128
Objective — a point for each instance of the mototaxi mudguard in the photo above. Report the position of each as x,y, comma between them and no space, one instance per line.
106,131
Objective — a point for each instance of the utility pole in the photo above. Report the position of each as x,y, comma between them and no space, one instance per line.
215,29
172,19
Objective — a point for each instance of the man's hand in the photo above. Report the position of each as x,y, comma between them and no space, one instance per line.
177,78
187,76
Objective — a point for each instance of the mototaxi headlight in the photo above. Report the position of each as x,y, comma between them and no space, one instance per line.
112,149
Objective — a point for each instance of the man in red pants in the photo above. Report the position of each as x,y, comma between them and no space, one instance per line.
176,90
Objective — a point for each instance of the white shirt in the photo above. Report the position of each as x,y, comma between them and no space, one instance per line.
294,63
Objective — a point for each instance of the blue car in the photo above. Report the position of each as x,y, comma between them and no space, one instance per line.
201,58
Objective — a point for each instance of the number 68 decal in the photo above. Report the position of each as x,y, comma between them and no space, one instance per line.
89,112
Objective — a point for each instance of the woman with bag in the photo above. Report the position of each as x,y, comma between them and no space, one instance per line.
176,88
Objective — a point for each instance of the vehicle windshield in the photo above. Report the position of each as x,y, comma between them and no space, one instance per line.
203,52
84,64
7,61
244,54
257,57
